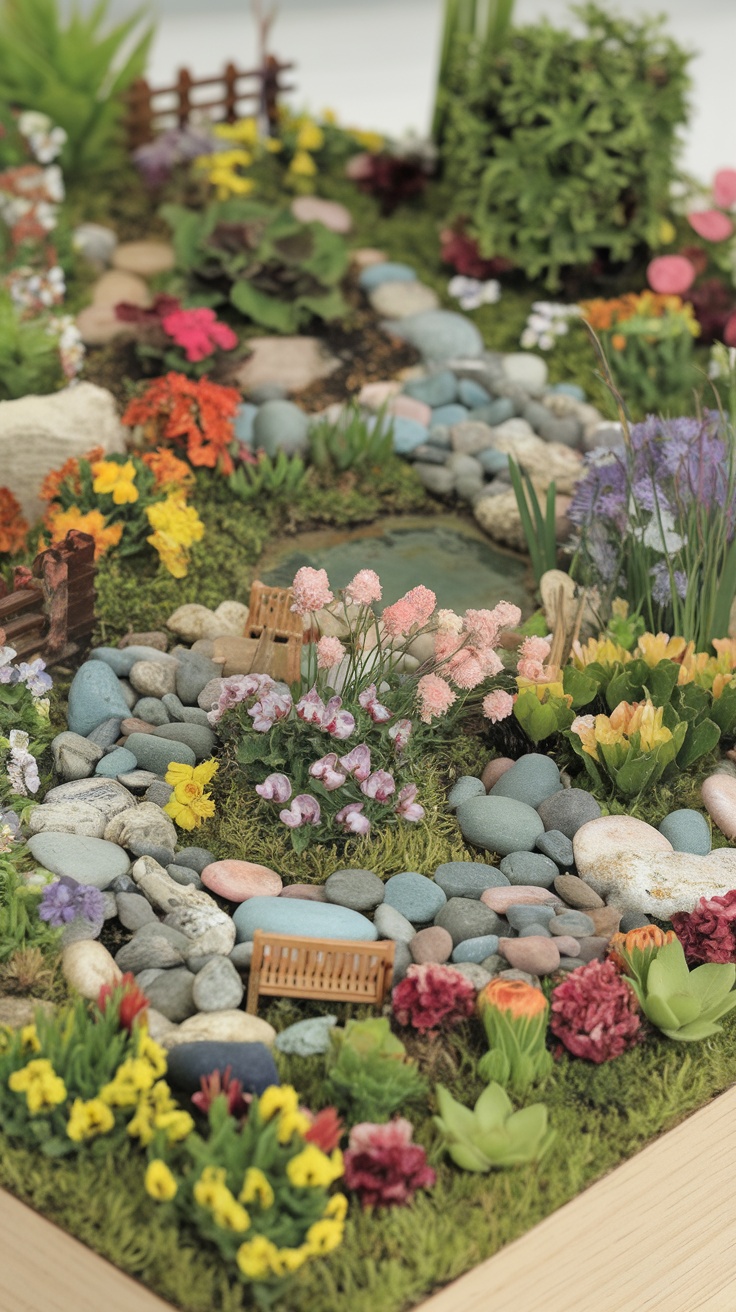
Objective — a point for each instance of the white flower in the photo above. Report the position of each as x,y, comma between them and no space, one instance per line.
472,293
661,536
18,740
54,182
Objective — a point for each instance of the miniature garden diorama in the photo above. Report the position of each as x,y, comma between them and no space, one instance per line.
367,686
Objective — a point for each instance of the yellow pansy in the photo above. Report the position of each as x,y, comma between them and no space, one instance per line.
132,1078
288,1260
244,130
29,1038
257,1258
159,1182
88,1119
337,1207
228,1213
311,1168
177,1125
256,1188
44,1089
189,804
277,1098
115,479
209,1183
310,137
302,165
152,1052
324,1236
291,1123
176,527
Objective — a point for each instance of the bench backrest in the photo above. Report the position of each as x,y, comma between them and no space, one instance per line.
343,970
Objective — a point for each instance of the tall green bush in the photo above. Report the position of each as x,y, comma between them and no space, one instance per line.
561,148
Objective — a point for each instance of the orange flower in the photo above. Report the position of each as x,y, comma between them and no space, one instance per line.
69,472
618,342
517,999
196,415
13,527
93,523
642,940
167,469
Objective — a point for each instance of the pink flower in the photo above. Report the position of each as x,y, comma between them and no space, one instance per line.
358,762
483,626
400,734
275,788
449,622
236,689
330,652
431,995
535,649
198,332
498,705
310,708
380,785
337,723
724,188
325,771
304,810
711,225
491,662
413,610
364,588
368,699
506,615
408,808
708,932
271,707
383,1166
351,819
594,1012
534,671
465,669
435,697
670,275
311,589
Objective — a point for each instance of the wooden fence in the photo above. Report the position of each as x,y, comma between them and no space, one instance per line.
51,610
235,93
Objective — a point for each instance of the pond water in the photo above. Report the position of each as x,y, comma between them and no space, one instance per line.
446,554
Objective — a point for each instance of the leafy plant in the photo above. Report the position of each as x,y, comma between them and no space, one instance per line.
514,1016
276,271
368,1075
560,149
684,1004
540,529
351,441
466,18
21,931
76,73
275,478
493,1134
29,355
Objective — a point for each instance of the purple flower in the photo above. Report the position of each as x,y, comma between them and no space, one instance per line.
358,762
8,671
275,788
236,689
408,807
661,588
66,899
325,771
337,723
351,819
368,699
310,708
157,158
400,734
33,677
380,785
304,810
271,707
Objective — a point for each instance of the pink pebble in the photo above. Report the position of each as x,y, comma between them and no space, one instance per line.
719,797
536,954
239,880
431,944
567,945
500,899
407,407
377,394
307,892
493,771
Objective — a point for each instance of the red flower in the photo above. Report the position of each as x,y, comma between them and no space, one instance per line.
195,415
383,1166
214,1086
595,1012
198,332
126,997
708,932
432,995
461,252
325,1130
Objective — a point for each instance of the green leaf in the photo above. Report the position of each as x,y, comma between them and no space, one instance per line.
699,740
580,686
281,316
492,1107
711,983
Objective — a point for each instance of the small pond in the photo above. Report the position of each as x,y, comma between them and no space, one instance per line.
446,554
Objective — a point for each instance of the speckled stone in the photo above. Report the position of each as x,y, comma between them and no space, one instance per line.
360,890
465,917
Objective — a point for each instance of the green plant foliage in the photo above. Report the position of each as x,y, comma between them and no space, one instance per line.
518,1057
276,271
684,1004
466,18
493,1134
29,355
557,147
368,1075
74,72
20,927
540,529
351,442
277,478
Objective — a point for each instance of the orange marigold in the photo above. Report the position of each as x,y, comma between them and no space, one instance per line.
93,522
167,469
13,527
515,997
193,414
648,936
68,473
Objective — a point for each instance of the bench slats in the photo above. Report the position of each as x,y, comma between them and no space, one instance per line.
289,965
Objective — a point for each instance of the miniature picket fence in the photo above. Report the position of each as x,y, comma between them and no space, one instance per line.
272,641
51,610
234,93
335,970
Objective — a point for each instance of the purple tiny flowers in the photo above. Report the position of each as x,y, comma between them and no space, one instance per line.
66,899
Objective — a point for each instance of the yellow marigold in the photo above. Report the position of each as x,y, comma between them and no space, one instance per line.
176,527
256,1188
310,136
602,651
88,1119
277,1098
93,522
324,1236
189,804
258,1258
302,165
654,648
116,480
132,1077
29,1038
311,1168
159,1182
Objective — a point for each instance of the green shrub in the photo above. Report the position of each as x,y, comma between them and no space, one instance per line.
276,478
73,73
369,1076
29,355
560,148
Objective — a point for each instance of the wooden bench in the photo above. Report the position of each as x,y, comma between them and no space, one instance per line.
341,970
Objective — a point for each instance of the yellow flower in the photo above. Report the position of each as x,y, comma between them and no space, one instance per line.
159,1182
584,727
228,1213
229,183
29,1038
256,1188
177,1125
258,1258
337,1207
324,1236
302,165
329,116
88,1119
666,232
176,527
273,145
654,648
601,650
153,1105
370,141
291,1123
132,1077
245,131
310,137
43,1088
311,1168
210,1182
277,1098
288,1260
110,477
189,804
152,1052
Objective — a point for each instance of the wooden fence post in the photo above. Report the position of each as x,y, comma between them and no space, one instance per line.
139,120
183,90
231,93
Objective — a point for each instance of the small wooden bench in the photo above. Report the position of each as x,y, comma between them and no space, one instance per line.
341,970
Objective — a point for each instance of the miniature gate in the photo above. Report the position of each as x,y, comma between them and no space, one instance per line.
153,109
51,610
338,970
272,641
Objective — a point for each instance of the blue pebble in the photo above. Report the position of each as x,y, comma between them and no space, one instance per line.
408,434
496,412
466,786
569,389
415,896
435,389
95,695
243,425
687,831
521,914
119,761
376,274
293,916
493,462
535,930
476,949
122,659
448,415
472,394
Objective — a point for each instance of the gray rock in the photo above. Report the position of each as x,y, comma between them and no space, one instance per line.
361,890
415,896
633,920
129,694
67,818
107,733
198,737
306,1038
122,659
172,993
468,878
153,945
123,884
575,923
529,868
499,824
493,964
145,823
182,714
281,426
106,795
521,915
163,855
133,911
146,977
571,963
467,786
558,847
195,857
159,793
531,780
152,710
196,963
472,394
439,436
88,860
109,903
218,986
568,810
117,762
153,678
184,875
391,924
402,961
577,893
465,918
193,674
241,956
475,949
474,972
137,780
438,334
95,695
436,389
210,694
74,757
155,754
493,462
436,478
593,947
687,831
471,436
462,466
428,454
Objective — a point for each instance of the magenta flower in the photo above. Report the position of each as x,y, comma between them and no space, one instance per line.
198,332
270,708
380,785
304,810
408,807
276,788
400,734
724,188
358,762
310,708
336,722
368,699
352,820
325,771
711,225
384,1167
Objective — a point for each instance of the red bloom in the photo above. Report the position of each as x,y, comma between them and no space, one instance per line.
194,415
595,1012
432,995
325,1130
383,1166
198,332
126,997
461,252
708,932
214,1086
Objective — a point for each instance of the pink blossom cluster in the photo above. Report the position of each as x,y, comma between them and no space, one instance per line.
594,1012
708,932
383,1166
237,688
466,653
198,332
430,996
311,588
364,589
327,717
410,612
497,705
330,652
533,654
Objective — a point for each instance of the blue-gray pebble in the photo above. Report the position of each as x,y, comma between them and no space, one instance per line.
687,831
467,786
530,868
499,824
95,695
251,1063
476,949
531,780
415,896
118,761
468,878
568,810
306,1038
575,923
435,390
558,847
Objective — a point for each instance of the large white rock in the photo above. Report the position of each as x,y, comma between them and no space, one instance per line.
221,1026
499,517
87,965
661,883
613,835
38,433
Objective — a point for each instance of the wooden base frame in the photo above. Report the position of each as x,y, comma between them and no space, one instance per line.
656,1235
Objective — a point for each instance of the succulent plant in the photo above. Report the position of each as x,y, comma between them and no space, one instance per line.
685,1004
493,1135
368,1074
